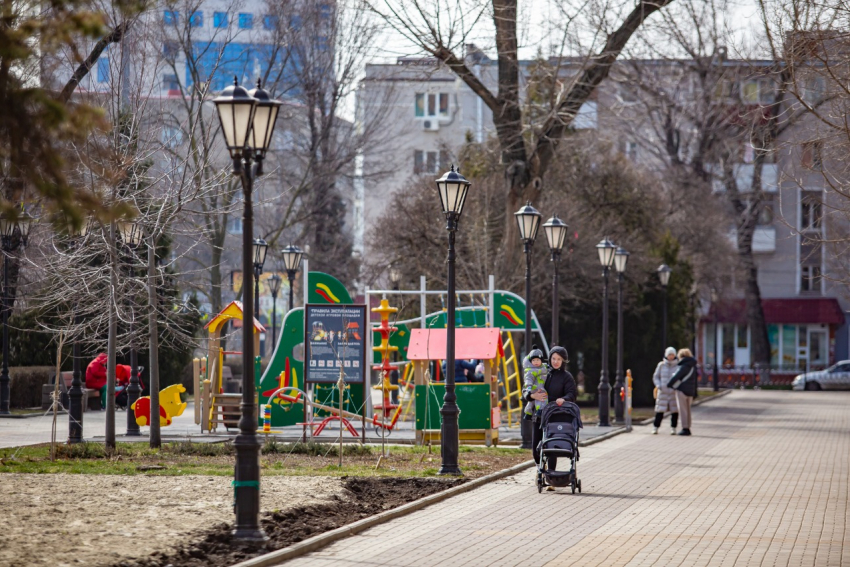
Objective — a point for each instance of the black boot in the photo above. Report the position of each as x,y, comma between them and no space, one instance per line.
685,432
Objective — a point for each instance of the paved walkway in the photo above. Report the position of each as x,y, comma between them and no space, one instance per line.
763,481
16,432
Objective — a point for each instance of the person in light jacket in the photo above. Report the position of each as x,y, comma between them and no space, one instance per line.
684,382
665,397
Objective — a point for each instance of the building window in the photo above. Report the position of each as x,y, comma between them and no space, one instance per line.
812,155
169,83
234,225
170,49
171,136
630,149
220,19
811,210
270,22
170,17
295,23
246,21
810,278
814,90
429,105
103,69
325,11
750,92
430,162
196,20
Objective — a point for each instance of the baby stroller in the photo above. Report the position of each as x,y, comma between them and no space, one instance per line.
560,425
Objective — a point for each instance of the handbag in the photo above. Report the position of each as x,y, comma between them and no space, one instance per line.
655,393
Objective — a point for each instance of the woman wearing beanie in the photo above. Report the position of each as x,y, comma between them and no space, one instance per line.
559,387
665,397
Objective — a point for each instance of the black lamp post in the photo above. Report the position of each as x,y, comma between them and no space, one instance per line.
292,256
247,123
716,372
664,272
75,393
556,234
274,287
528,220
131,237
260,249
606,250
452,188
14,232
621,258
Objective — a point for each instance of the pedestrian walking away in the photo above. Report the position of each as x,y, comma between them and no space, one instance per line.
684,382
665,397
558,387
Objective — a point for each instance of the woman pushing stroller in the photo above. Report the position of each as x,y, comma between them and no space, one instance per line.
557,385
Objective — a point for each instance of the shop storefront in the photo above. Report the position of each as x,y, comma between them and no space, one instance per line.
802,333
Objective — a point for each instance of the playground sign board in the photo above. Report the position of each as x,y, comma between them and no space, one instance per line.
335,338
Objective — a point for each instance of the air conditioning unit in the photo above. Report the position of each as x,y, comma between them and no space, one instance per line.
430,125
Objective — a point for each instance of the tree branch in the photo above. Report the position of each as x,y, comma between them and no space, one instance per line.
86,66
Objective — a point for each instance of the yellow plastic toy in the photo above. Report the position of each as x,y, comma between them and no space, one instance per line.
170,406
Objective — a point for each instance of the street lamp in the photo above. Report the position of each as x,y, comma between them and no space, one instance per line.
75,393
292,256
715,374
556,235
247,123
261,247
452,188
395,277
274,287
664,272
621,258
14,231
528,220
131,237
606,250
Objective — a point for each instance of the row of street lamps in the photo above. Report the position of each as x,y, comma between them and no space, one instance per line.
292,256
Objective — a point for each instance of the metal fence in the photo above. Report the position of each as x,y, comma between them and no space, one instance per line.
730,376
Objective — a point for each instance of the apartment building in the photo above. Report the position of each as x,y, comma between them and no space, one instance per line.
432,114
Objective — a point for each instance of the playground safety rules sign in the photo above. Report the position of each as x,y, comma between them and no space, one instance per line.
335,339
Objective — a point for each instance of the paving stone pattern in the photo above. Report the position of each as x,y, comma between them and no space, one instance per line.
763,481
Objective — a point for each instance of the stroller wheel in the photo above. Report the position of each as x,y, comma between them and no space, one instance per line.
573,485
539,483
578,485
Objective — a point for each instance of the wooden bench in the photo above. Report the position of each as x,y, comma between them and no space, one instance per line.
91,397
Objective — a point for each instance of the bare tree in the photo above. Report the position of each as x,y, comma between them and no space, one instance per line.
441,28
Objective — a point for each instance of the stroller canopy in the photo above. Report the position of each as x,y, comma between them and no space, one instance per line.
568,409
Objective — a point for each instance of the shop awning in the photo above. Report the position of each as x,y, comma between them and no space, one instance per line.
790,311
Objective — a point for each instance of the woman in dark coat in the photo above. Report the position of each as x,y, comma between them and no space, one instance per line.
560,387
684,382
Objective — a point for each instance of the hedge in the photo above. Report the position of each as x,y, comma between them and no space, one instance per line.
26,382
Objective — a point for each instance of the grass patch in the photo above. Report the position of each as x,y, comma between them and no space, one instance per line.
277,459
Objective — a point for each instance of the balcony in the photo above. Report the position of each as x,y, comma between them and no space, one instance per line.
764,239
744,178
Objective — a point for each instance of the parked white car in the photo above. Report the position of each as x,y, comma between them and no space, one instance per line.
836,377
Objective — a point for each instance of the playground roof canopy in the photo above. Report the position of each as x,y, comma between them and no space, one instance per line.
232,311
480,343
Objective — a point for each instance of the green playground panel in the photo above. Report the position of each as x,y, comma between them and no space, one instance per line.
472,399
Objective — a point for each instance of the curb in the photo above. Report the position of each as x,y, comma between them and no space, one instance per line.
321,540
649,420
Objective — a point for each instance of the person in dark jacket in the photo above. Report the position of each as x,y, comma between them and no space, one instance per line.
684,382
461,367
558,388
